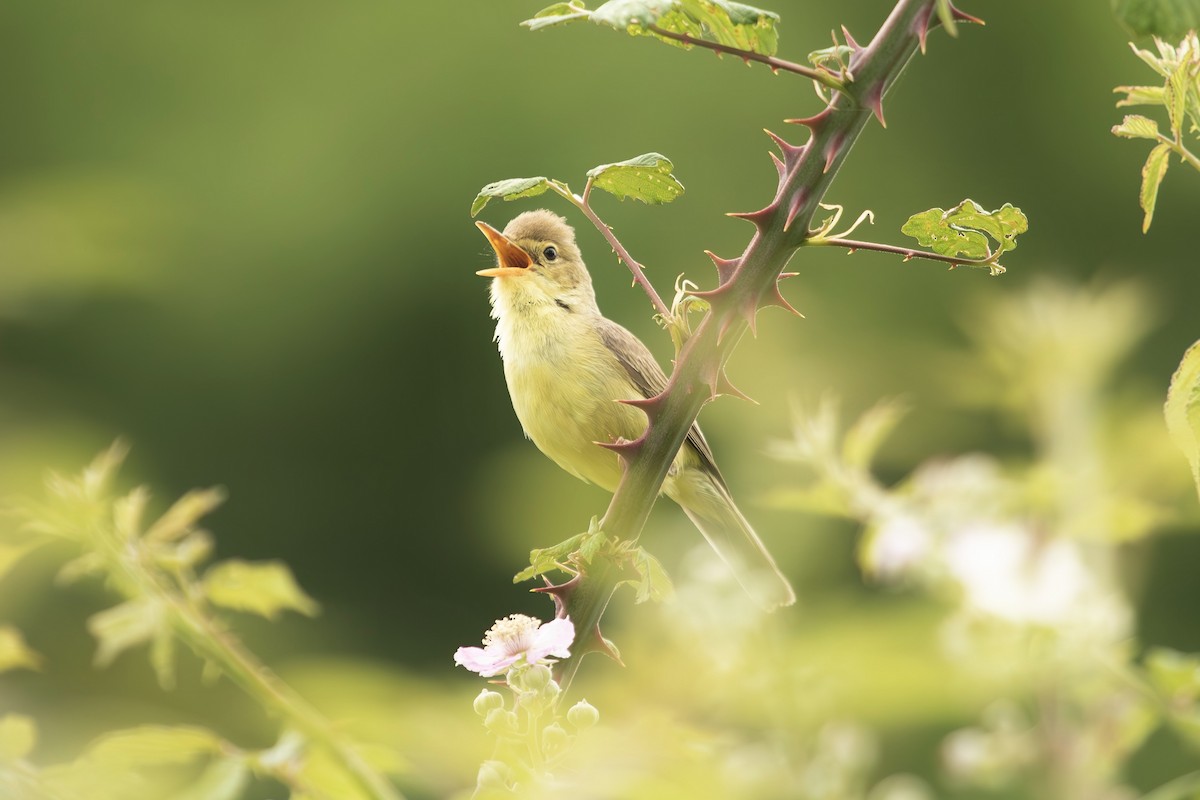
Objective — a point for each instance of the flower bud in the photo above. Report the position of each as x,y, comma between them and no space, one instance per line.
494,775
532,678
554,740
583,715
500,722
487,701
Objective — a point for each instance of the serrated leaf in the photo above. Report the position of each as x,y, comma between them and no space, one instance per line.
1182,409
1169,19
653,581
961,230
181,518
646,178
1141,96
545,559
1152,174
121,627
151,746
224,779
14,652
261,587
728,23
510,189
18,736
1135,126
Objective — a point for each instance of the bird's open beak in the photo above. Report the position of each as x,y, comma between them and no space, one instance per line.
512,260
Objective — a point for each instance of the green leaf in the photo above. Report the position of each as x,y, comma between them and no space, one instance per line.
18,735
731,24
1182,409
162,657
1141,96
1175,675
557,14
261,587
1152,174
510,189
1168,19
646,178
869,431
545,559
121,627
224,779
1135,126
152,745
181,518
14,653
961,230
653,582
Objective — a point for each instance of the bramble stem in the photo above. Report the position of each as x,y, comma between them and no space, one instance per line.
823,77
639,275
781,228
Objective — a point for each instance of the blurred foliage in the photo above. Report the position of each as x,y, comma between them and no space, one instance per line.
238,234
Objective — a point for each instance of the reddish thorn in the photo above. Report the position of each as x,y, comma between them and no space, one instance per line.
795,206
775,298
625,448
725,386
921,25
813,123
761,218
780,167
849,39
832,148
962,16
783,275
650,406
746,61
851,250
598,644
908,257
559,593
715,296
774,69
725,266
873,100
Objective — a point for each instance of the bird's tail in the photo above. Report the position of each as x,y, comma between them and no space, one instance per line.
707,502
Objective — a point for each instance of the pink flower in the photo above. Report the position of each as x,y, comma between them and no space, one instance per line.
515,637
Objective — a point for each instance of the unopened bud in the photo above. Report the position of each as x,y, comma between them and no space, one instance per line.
494,775
554,739
500,722
583,715
487,701
532,678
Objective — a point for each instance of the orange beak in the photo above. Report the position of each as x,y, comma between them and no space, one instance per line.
511,260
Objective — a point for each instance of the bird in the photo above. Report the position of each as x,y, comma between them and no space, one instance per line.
567,367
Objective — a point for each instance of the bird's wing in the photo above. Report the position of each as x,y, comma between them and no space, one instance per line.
650,380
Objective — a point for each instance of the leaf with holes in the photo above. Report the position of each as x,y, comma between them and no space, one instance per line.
964,230
510,189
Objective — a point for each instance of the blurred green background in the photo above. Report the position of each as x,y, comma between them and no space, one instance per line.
237,234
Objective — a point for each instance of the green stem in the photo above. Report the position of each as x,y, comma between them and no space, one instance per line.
201,633
781,228
907,253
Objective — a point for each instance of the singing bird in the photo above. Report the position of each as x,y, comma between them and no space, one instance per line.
567,366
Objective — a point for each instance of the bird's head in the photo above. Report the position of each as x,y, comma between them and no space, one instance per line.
537,262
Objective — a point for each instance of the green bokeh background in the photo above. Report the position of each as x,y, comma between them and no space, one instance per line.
237,234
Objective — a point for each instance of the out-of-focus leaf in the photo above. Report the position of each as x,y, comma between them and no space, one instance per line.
1175,675
127,513
121,627
224,779
181,517
510,189
14,652
1183,409
869,431
322,776
152,745
1168,19
11,553
87,564
646,177
264,587
18,735
961,230
1135,126
162,657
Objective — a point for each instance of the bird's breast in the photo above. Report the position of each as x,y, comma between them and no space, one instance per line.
564,384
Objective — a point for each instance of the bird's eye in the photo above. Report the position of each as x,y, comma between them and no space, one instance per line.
550,253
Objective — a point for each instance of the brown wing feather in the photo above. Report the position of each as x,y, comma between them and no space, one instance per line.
650,380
